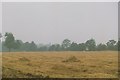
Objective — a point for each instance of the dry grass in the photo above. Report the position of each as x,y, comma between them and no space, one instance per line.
100,64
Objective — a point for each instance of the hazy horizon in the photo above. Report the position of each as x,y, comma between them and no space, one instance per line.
52,22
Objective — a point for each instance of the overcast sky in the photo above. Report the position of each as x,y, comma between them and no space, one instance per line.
52,22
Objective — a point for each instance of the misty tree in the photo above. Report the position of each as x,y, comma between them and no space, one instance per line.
52,48
58,47
91,45
111,44
26,46
118,44
55,47
17,44
82,47
10,42
0,37
101,47
66,44
74,47
32,46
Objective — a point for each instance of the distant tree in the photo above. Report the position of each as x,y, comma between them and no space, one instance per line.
17,44
43,48
52,48
55,47
32,46
91,45
26,46
74,47
82,46
101,47
9,41
118,45
0,36
20,45
111,44
66,44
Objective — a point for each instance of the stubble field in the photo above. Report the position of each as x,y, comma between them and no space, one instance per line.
64,64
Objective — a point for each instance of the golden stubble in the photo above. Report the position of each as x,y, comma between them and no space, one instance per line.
90,64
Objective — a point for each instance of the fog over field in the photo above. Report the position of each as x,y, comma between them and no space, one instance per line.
52,22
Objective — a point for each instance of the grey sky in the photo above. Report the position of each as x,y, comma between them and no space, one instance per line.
46,22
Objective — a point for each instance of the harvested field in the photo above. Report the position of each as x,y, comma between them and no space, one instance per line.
64,64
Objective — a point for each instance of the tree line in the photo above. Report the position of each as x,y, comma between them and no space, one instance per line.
11,44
